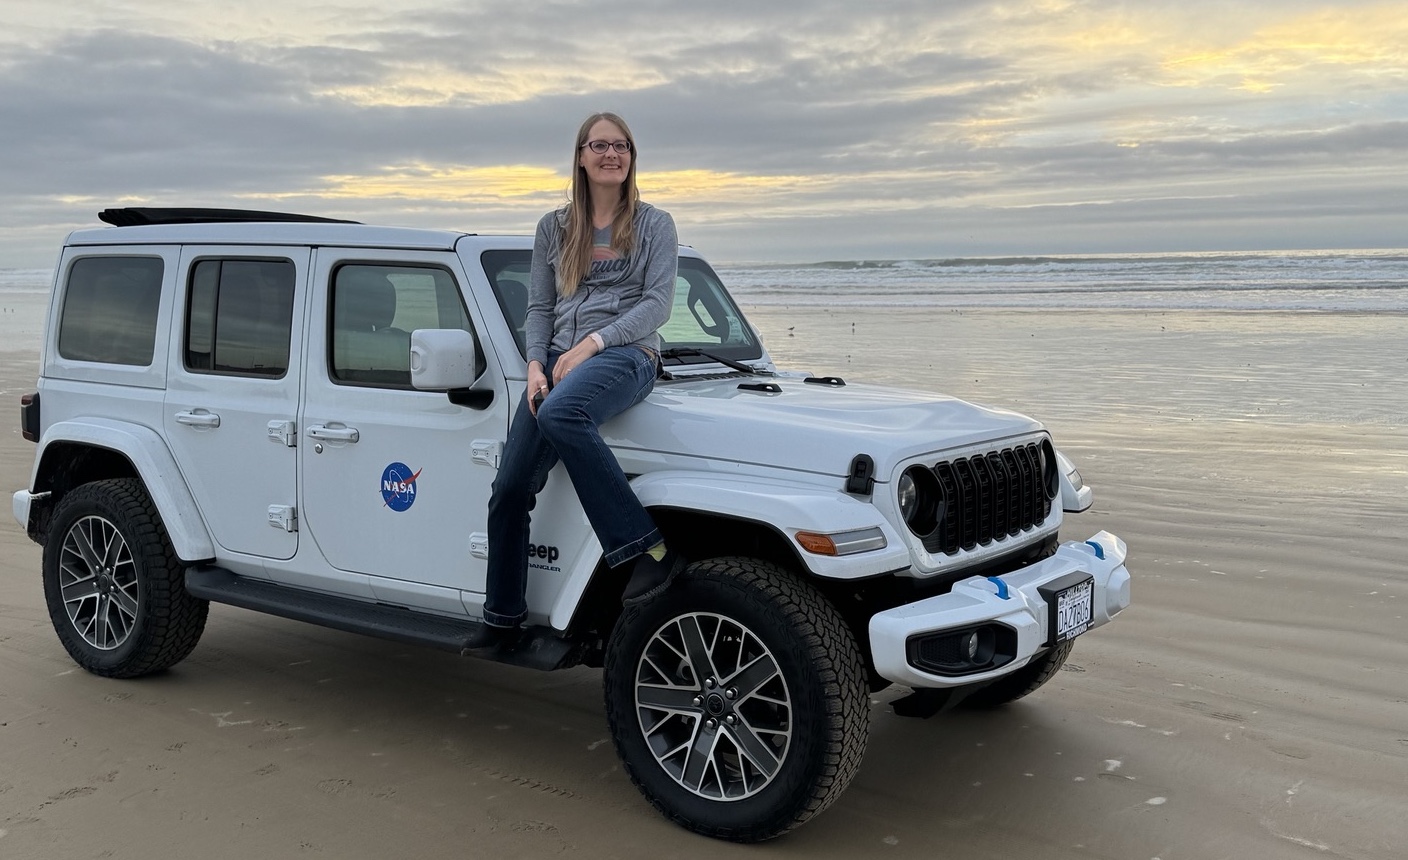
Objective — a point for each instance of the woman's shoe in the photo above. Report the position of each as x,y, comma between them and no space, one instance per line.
650,577
488,637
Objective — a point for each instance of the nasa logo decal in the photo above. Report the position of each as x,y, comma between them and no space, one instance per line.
398,486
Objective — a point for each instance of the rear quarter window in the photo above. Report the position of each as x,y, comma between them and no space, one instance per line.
110,310
239,317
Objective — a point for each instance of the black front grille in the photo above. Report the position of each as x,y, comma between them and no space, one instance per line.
992,497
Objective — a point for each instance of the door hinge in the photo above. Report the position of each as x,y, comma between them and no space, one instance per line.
284,517
486,451
283,432
479,545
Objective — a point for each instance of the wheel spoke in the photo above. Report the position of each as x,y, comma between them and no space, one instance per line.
117,622
80,589
753,676
655,727
671,753
113,547
667,698
102,631
125,603
700,753
83,545
750,745
89,630
699,655
659,673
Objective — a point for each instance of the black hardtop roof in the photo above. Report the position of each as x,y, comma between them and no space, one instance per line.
138,216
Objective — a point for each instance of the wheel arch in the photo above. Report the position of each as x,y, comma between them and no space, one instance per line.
697,535
73,453
733,515
588,605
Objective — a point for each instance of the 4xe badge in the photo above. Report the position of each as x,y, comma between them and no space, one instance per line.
398,486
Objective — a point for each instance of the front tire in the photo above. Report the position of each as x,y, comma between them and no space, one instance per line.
114,586
737,700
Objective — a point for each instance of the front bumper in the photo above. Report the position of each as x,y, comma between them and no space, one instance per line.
1018,606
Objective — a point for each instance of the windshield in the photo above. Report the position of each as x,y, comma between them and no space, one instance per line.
704,316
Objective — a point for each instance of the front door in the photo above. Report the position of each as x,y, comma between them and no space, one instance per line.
232,393
395,481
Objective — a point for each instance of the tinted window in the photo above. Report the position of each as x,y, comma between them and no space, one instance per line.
374,310
240,316
508,272
110,307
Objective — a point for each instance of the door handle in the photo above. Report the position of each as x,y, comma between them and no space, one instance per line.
198,419
333,434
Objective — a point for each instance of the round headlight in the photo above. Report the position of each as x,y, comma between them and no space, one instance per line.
920,499
1050,475
907,496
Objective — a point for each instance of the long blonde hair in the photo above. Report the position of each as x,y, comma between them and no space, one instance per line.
575,257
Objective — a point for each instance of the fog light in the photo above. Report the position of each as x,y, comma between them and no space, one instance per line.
963,652
970,644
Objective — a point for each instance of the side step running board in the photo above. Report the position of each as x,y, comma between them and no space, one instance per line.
539,647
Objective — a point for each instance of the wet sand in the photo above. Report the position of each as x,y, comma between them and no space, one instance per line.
1253,703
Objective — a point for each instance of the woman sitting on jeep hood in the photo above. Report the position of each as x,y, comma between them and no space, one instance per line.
602,284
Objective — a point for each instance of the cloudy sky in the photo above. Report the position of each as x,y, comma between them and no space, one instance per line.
786,130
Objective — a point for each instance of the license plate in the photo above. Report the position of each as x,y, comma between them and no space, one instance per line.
1072,609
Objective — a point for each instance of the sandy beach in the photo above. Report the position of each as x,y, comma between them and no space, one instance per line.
1252,703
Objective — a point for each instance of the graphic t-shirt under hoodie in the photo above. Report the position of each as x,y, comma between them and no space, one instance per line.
623,299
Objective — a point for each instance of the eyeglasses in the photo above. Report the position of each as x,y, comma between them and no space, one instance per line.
600,146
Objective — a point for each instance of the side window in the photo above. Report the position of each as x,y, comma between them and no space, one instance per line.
110,308
374,310
508,272
239,317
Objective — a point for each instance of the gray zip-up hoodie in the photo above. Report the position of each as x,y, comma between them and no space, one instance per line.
625,304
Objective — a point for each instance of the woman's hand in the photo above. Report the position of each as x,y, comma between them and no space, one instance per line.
537,385
585,349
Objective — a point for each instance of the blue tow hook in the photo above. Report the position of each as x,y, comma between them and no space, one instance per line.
1099,550
1001,587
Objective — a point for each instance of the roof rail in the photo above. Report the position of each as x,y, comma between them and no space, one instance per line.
141,216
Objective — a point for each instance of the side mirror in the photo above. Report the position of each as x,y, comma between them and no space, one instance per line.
442,359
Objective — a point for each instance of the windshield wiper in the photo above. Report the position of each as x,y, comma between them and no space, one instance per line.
683,351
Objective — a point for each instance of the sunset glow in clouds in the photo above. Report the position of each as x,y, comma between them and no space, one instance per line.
786,131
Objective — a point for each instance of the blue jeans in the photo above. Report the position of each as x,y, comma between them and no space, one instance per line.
596,390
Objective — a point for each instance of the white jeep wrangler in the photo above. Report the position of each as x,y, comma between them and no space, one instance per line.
304,417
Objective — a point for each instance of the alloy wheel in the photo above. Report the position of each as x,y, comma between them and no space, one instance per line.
713,706
98,580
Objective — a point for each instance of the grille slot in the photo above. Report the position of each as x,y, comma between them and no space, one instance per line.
990,497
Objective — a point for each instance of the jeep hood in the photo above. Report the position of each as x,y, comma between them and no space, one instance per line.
806,426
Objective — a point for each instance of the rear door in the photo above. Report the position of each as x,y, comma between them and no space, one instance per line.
396,481
232,392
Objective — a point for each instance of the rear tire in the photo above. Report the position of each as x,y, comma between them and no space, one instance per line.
113,584
737,700
1022,682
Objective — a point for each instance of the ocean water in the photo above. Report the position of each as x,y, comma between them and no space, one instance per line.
19,281
1344,281
1351,281
24,299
